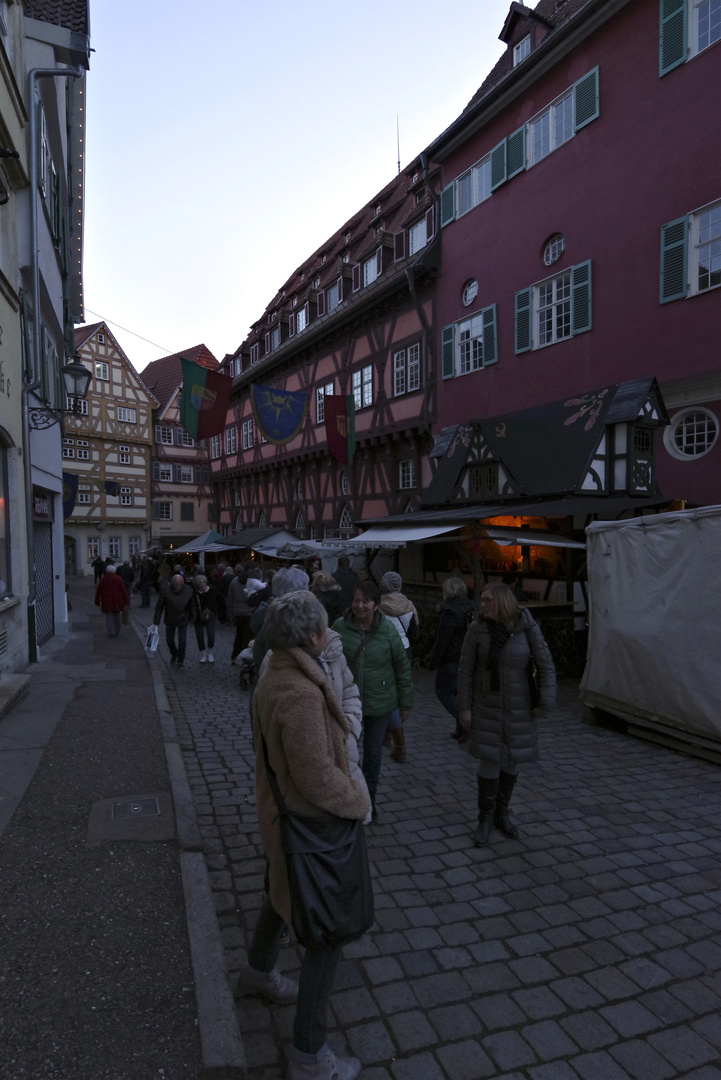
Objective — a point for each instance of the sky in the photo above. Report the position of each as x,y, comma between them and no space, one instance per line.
227,141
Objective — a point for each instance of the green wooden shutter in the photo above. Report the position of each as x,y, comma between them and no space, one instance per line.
490,347
673,43
586,102
674,260
581,298
498,165
516,152
524,315
448,204
448,360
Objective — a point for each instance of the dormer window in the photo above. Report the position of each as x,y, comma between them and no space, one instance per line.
522,50
317,283
347,238
295,301
378,209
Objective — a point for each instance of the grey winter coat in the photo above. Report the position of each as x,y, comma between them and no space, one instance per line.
504,716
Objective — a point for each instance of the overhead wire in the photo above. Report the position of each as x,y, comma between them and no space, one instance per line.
131,332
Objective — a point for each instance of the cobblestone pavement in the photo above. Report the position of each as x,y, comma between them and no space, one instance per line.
589,948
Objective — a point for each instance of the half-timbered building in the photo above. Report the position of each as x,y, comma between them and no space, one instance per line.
182,504
356,319
107,447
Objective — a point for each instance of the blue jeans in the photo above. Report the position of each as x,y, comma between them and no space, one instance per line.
203,630
374,730
112,621
447,688
170,641
317,975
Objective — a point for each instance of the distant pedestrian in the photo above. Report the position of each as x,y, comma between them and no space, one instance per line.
98,565
494,701
456,615
111,597
347,579
205,616
176,603
329,592
146,581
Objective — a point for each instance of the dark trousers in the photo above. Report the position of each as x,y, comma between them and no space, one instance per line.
242,634
145,593
203,631
374,731
317,975
170,641
447,688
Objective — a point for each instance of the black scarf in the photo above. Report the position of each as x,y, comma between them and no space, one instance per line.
499,636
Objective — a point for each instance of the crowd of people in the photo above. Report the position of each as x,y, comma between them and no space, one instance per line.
332,657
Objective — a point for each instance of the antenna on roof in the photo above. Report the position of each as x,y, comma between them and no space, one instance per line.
398,137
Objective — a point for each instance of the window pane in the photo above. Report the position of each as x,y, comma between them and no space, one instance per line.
541,136
465,193
563,120
709,23
482,175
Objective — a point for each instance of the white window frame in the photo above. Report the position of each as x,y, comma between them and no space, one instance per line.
469,348
68,448
186,474
133,545
185,439
77,405
521,50
301,319
124,455
697,10
473,187
126,496
84,496
698,241
407,370
215,446
255,353
114,547
557,120
362,386
127,416
417,236
370,269
231,440
684,422
557,306
407,474
165,511
166,435
332,300
83,452
248,434
93,547
165,471
102,371
320,394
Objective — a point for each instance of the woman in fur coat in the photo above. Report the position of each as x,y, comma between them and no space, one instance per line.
296,712
494,701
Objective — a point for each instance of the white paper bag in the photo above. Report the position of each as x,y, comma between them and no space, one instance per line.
152,638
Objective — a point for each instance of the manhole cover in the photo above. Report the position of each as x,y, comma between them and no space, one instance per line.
133,808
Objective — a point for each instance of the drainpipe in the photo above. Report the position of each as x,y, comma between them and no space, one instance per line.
32,375
411,279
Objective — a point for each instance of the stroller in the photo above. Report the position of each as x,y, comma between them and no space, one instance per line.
244,661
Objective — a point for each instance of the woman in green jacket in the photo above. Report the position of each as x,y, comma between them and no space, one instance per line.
380,667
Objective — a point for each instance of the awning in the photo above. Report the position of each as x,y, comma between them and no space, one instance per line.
505,535
396,537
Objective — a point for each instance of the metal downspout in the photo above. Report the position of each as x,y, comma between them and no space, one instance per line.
33,366
410,278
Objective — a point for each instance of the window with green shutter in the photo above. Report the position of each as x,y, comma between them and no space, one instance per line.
554,309
673,44
586,104
674,260
581,298
524,313
448,204
498,165
516,152
447,352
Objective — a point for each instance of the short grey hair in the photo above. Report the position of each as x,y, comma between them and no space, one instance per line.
289,579
292,618
454,586
199,581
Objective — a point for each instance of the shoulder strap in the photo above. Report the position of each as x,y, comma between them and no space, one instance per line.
280,801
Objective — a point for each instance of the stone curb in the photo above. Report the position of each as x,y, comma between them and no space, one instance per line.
221,1045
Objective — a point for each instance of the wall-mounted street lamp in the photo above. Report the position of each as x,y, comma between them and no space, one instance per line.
76,380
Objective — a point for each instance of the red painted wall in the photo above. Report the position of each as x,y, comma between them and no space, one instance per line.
653,154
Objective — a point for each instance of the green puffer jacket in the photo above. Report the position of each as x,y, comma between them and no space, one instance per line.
381,669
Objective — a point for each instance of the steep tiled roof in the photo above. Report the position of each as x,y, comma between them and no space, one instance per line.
555,13
401,201
70,14
162,377
82,333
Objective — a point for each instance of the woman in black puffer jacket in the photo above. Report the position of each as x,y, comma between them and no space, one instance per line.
495,701
454,618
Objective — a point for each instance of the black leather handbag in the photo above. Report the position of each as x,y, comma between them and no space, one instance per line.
331,892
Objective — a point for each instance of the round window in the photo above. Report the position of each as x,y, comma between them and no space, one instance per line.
470,292
691,433
554,249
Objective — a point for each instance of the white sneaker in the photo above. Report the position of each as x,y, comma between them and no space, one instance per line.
202,656
272,984
211,658
327,1066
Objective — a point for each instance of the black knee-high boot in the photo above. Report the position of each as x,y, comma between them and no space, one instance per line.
501,818
487,792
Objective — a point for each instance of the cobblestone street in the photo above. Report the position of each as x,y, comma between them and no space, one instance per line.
588,948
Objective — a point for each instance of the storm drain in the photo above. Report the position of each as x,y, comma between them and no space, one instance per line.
136,808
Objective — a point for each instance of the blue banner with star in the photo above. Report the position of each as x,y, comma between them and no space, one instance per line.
278,413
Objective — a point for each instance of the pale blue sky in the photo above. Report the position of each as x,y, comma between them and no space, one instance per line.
222,151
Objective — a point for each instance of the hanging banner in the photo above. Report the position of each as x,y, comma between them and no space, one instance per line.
70,492
204,400
278,413
340,426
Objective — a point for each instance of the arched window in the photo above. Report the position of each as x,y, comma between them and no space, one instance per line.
346,529
262,524
300,523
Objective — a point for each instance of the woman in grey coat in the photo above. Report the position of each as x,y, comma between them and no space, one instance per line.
494,701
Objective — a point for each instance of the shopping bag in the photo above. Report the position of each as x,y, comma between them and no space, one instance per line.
152,638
